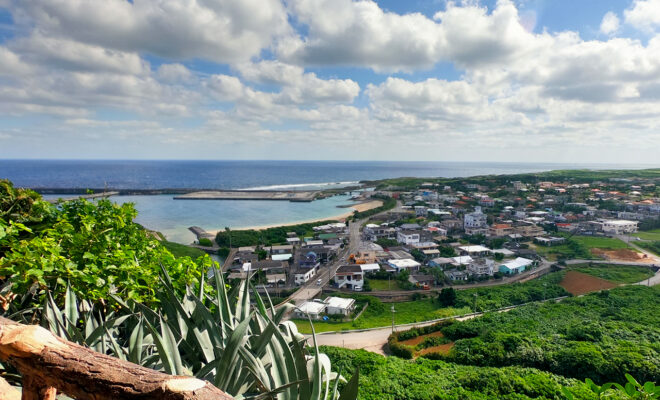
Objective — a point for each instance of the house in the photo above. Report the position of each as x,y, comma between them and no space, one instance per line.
515,266
339,306
475,222
549,241
462,260
619,226
373,232
368,251
440,262
500,230
367,268
474,250
527,229
303,275
456,275
421,211
404,264
481,267
293,240
350,276
410,227
283,249
308,260
407,237
312,308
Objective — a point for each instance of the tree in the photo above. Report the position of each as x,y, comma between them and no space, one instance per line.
447,297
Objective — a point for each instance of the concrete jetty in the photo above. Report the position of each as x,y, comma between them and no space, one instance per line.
303,196
85,196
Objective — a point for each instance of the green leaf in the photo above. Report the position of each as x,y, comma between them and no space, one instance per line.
350,391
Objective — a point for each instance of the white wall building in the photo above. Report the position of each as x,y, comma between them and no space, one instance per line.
407,237
404,264
339,305
303,275
475,222
619,226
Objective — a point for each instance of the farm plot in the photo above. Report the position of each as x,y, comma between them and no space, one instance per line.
578,283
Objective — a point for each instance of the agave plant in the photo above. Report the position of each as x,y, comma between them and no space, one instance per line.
244,348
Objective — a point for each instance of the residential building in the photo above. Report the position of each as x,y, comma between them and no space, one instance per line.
339,306
516,266
301,276
619,226
407,236
475,221
500,230
474,250
283,249
482,267
549,241
350,277
404,264
312,308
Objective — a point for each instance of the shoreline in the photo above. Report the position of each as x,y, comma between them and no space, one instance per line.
360,207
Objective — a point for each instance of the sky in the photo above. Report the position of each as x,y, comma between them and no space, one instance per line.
493,80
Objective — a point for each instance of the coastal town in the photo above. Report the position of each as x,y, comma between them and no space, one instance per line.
434,236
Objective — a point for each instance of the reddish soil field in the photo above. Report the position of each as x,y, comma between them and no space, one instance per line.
621,255
442,349
577,283
419,339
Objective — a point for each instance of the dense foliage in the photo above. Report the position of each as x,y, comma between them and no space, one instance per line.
614,272
495,297
94,246
390,378
600,336
388,204
266,237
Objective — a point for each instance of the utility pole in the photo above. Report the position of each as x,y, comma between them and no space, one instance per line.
393,311
475,302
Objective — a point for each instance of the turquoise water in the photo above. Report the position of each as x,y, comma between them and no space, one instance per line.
173,217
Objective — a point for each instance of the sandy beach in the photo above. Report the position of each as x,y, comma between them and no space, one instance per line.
360,207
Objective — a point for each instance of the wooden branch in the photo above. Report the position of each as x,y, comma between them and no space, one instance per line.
51,362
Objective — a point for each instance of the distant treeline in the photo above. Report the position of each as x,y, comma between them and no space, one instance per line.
388,204
265,237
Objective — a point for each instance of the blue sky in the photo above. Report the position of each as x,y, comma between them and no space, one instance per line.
525,80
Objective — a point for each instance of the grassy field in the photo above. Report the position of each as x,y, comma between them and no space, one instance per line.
405,312
648,235
553,253
592,242
615,273
382,284
181,250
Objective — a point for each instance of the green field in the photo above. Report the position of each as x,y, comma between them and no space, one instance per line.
381,315
486,298
615,273
181,250
648,235
384,284
592,242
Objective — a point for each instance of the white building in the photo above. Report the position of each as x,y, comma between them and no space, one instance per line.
474,250
483,266
339,305
350,277
515,266
475,222
312,308
404,264
407,237
303,275
619,226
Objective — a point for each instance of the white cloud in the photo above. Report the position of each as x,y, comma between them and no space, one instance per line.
174,73
644,14
610,23
222,30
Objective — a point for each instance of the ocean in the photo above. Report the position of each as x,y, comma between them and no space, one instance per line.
173,217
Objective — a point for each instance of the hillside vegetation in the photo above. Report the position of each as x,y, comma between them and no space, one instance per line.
392,378
600,336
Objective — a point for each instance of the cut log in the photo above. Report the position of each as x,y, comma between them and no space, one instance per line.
81,373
